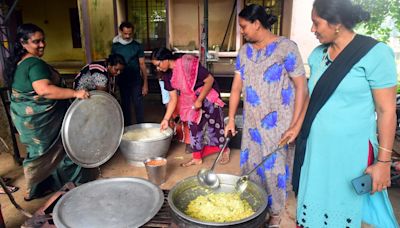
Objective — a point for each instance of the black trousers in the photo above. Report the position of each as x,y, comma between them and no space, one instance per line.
132,95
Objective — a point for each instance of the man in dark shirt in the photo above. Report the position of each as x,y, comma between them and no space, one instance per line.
132,82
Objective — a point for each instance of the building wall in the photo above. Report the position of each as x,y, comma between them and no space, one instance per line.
184,24
219,12
287,17
187,16
121,15
101,16
301,27
53,18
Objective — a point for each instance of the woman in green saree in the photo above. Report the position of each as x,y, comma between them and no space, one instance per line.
38,105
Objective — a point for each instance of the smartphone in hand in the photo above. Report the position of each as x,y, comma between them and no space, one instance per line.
362,184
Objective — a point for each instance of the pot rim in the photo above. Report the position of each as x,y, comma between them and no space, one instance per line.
144,126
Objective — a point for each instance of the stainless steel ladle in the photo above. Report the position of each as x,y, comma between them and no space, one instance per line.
206,177
241,184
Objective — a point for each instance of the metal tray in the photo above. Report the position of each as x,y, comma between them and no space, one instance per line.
92,129
114,202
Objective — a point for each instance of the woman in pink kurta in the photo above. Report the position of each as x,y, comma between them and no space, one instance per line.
199,103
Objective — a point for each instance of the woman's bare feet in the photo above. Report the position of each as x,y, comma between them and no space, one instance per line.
225,157
192,162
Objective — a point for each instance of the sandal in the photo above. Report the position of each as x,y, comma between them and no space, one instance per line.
10,188
6,179
225,157
192,162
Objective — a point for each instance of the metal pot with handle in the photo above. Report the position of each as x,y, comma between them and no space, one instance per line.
188,189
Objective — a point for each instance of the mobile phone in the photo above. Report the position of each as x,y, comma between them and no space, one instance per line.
362,184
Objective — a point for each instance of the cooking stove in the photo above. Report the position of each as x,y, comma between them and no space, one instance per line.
42,218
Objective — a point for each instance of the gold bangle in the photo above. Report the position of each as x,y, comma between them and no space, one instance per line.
386,150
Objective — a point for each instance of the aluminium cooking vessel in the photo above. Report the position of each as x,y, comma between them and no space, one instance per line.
136,151
111,203
188,189
92,129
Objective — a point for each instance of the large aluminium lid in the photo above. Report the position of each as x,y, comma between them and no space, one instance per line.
113,202
92,129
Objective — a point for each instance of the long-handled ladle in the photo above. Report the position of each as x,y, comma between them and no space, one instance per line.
241,184
206,177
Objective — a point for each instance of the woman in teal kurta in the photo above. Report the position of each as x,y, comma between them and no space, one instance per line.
38,105
337,149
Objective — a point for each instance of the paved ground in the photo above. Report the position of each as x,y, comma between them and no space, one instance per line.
118,167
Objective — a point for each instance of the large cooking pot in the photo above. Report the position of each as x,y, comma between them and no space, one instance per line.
188,189
136,152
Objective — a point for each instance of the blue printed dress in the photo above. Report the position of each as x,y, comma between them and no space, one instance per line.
337,147
268,95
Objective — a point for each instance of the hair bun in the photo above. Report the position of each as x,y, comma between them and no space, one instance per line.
359,14
272,19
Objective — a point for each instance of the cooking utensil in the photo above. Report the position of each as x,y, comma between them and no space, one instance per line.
188,189
111,203
156,168
206,177
92,129
136,151
242,183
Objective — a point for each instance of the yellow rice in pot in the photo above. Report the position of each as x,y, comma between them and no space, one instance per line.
219,207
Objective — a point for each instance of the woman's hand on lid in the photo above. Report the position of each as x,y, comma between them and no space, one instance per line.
81,94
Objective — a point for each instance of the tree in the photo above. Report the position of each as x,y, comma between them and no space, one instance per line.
385,18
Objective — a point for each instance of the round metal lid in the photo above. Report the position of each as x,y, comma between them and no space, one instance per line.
92,129
113,202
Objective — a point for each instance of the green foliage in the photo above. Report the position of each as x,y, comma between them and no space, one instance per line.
398,87
381,11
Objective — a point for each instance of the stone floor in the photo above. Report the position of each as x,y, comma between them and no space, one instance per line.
118,167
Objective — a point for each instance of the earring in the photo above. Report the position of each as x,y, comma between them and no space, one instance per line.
336,31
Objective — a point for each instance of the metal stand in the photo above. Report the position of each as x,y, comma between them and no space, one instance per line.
6,103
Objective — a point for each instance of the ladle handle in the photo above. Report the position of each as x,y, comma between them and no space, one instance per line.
280,146
227,139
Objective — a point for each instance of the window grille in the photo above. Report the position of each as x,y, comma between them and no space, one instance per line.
149,20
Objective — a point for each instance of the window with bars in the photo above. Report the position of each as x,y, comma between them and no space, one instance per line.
275,7
149,19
